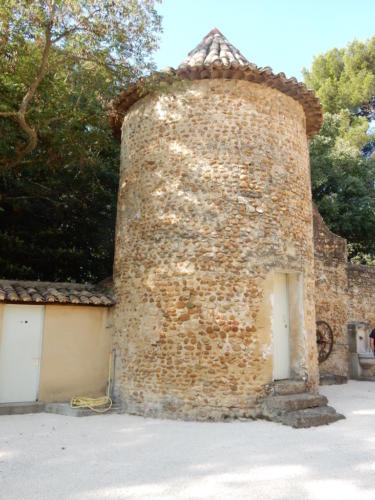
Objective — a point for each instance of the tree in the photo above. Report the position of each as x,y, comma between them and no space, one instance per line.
58,197
343,185
344,78
41,39
58,207
342,170
57,224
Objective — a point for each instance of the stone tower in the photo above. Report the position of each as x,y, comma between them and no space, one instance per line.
214,250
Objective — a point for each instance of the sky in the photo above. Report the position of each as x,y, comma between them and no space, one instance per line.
282,34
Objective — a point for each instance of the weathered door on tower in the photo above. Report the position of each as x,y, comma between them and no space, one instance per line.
20,353
280,328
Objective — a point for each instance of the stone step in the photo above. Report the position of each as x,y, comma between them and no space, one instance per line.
283,387
311,417
292,402
331,379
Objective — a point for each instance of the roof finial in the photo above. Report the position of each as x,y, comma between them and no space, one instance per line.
215,31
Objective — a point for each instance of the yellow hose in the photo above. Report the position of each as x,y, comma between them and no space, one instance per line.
95,403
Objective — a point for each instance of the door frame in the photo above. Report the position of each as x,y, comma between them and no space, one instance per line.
282,277
296,321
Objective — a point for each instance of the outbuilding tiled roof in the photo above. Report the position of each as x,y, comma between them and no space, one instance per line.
54,293
215,57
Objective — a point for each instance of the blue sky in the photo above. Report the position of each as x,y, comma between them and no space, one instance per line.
284,34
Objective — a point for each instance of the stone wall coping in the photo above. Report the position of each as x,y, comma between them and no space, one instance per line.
360,268
324,227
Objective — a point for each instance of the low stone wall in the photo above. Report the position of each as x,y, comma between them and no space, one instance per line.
361,293
331,293
343,293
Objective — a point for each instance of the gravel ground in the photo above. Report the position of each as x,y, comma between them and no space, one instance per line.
125,457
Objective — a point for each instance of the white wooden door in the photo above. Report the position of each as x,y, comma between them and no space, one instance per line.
280,328
20,353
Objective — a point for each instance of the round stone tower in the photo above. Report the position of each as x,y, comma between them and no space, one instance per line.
214,244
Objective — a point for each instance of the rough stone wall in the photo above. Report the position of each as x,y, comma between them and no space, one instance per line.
359,343
361,289
214,198
331,293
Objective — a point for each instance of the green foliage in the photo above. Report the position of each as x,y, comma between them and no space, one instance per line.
343,184
57,208
58,224
344,78
343,179
90,48
58,201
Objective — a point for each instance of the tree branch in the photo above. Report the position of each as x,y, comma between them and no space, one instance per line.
73,29
42,71
30,131
6,114
66,33
53,201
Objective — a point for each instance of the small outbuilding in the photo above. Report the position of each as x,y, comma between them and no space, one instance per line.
55,340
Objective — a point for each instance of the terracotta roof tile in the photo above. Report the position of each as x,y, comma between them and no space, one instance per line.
54,293
215,57
214,48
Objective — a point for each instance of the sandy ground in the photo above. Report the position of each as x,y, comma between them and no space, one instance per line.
124,457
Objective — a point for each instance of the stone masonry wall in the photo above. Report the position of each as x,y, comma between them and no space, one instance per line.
361,288
331,293
214,198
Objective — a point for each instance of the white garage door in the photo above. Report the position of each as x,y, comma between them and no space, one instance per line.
20,353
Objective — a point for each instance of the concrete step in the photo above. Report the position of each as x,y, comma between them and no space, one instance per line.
310,417
67,410
21,408
283,387
56,408
292,402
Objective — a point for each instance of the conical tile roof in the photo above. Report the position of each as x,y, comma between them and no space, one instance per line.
214,49
215,57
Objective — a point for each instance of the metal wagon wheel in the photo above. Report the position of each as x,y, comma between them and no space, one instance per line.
324,339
